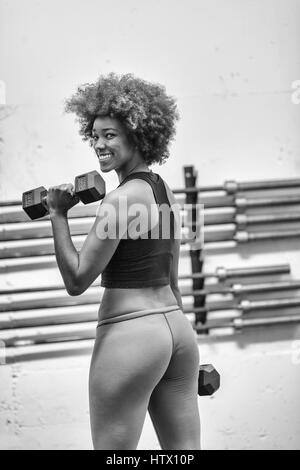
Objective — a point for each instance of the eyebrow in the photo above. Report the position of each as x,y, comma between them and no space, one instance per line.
106,129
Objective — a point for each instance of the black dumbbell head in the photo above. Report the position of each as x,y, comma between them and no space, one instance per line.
32,202
208,380
90,187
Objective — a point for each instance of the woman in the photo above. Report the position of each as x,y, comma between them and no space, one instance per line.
145,355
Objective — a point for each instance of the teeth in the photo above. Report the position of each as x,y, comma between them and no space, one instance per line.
104,157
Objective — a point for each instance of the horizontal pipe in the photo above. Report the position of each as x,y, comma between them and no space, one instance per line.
246,305
240,323
48,333
52,316
245,237
243,220
234,186
47,351
239,289
46,299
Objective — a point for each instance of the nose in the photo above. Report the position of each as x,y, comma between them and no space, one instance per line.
99,144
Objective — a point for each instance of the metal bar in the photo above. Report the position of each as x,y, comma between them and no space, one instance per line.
234,186
10,203
241,220
240,323
243,203
239,289
247,305
17,215
44,334
245,237
51,316
254,271
46,299
47,351
42,229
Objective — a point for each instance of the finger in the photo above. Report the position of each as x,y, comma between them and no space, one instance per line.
64,187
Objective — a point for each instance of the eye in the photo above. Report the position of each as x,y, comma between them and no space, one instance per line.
109,135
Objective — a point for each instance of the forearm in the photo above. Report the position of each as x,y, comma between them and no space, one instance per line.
66,254
177,294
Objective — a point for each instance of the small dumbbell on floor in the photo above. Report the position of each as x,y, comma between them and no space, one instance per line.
89,187
208,380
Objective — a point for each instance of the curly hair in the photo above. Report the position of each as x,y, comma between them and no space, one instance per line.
147,113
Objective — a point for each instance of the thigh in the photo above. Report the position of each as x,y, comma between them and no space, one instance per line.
128,361
173,405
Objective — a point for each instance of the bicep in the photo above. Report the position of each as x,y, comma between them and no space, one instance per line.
95,255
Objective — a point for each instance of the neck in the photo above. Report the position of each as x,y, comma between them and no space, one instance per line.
132,167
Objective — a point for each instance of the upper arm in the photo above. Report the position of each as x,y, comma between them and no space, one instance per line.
102,241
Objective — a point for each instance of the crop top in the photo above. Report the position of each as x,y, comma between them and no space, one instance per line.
144,262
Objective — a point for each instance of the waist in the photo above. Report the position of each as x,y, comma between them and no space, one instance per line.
116,302
137,314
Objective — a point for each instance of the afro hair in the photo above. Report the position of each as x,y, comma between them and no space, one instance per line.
147,113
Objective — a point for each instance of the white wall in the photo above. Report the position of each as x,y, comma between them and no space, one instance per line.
231,65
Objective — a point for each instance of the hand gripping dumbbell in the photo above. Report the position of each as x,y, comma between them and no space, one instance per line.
89,187
208,380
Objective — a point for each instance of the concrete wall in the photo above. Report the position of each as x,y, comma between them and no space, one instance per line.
231,65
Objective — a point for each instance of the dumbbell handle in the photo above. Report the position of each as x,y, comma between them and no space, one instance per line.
44,199
89,187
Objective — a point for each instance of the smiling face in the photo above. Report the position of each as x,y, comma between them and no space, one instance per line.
111,144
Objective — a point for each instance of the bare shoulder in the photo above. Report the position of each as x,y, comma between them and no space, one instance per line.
170,194
137,191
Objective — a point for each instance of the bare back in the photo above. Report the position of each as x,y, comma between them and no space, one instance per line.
121,301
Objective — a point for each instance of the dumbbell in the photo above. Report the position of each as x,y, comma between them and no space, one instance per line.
89,187
208,380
